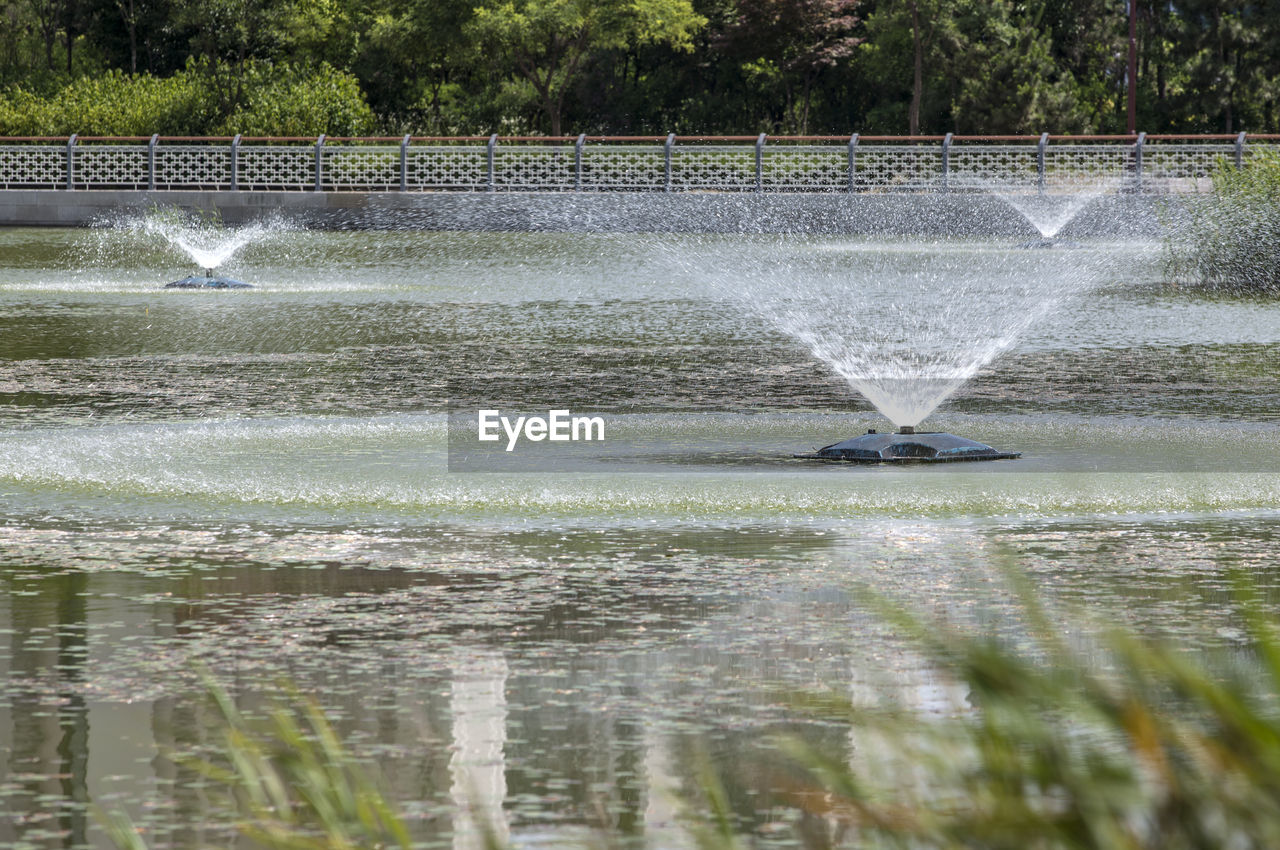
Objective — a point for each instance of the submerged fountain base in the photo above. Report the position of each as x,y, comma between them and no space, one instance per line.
1050,242
908,447
206,282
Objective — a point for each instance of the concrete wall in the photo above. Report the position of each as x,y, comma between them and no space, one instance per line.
937,213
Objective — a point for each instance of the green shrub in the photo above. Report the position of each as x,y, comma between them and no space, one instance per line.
111,104
1232,240
292,782
265,100
284,100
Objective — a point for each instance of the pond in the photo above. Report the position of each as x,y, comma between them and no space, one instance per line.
258,484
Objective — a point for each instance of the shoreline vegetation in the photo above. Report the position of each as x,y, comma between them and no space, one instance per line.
616,67
1101,739
1231,240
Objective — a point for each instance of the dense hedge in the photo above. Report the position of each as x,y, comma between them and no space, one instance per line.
257,98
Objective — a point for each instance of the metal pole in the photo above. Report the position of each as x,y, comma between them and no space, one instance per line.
235,162
946,160
666,152
1133,67
1040,150
760,162
577,162
1137,159
319,154
853,147
151,162
404,163
493,145
1240,150
71,161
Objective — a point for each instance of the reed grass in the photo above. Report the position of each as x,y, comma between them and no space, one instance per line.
292,783
1159,748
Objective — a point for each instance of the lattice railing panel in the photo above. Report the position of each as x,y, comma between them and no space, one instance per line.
360,168
447,167
32,167
623,167
888,167
111,166
980,166
193,167
1183,160
806,168
1068,163
276,167
1253,150
544,168
712,167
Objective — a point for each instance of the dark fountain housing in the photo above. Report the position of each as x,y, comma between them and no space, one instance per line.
907,446
207,281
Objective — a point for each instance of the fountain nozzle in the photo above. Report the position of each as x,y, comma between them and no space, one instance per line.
907,429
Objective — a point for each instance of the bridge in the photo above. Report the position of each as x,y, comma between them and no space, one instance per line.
856,164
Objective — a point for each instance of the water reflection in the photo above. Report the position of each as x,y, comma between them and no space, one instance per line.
554,685
47,745
478,702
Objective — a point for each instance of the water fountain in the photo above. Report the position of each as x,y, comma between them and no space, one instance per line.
1050,212
907,325
207,281
205,243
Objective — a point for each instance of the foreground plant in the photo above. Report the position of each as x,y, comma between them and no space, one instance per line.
1159,751
1232,240
292,783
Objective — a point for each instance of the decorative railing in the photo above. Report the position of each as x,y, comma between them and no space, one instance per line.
862,164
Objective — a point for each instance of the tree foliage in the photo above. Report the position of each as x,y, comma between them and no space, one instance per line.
546,41
790,44
639,66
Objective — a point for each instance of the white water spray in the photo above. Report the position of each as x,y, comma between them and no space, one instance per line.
906,324
207,244
1050,212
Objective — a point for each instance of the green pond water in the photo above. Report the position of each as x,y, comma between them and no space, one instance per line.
258,483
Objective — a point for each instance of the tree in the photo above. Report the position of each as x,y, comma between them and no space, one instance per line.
1226,50
976,66
1004,78
48,16
799,39
413,58
546,41
227,36
895,31
1088,40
